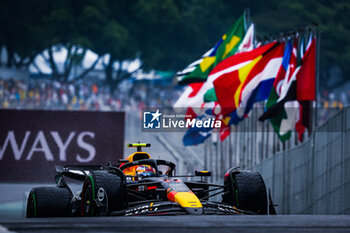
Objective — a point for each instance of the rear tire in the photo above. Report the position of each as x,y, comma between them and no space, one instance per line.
49,202
112,185
247,191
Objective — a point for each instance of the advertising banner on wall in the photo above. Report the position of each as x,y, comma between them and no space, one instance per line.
33,142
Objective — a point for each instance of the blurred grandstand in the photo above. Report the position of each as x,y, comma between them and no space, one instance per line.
132,95
93,96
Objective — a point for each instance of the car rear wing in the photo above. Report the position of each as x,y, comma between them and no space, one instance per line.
139,145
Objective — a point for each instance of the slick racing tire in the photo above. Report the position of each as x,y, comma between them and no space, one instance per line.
105,188
247,191
49,202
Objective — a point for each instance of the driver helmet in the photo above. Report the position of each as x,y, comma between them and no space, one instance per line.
145,171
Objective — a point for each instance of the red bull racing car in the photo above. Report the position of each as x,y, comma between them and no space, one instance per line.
139,185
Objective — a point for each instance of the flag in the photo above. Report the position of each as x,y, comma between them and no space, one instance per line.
232,80
306,86
289,94
192,100
246,46
191,67
283,76
196,108
259,82
228,45
299,127
197,93
225,128
237,91
194,135
291,107
190,97
231,40
193,97
248,40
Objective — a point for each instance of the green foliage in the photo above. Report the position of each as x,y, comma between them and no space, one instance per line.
165,34
332,17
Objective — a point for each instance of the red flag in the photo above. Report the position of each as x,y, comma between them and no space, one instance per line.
306,88
306,85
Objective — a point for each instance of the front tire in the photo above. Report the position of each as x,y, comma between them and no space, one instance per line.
103,187
49,202
246,190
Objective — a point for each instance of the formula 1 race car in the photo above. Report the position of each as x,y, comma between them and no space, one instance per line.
139,185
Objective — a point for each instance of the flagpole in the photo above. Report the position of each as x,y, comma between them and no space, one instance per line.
230,149
205,146
247,18
318,40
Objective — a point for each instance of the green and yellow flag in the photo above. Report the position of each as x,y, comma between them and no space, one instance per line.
199,70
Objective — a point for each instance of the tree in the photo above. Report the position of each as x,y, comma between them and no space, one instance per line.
68,25
22,33
275,16
117,40
38,28
163,34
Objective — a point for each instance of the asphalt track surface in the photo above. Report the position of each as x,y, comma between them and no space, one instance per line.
184,223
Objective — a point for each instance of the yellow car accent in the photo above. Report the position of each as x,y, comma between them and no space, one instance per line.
187,199
143,154
138,145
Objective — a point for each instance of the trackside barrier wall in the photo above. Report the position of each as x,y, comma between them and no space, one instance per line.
312,177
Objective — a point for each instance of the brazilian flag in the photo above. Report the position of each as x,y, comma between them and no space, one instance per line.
227,46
